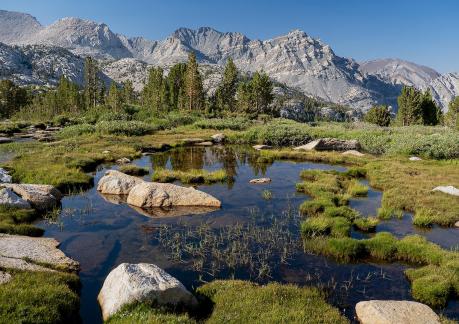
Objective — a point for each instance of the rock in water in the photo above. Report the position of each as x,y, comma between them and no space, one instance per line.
4,176
9,199
260,180
153,194
123,161
40,250
207,143
218,138
330,144
262,147
450,190
117,183
143,282
394,311
41,197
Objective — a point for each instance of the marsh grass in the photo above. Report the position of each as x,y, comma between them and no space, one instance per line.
17,221
193,176
133,170
366,224
40,297
267,194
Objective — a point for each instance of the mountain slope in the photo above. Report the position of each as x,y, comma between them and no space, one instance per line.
445,88
400,72
16,26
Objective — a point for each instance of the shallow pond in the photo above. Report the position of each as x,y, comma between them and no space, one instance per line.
250,237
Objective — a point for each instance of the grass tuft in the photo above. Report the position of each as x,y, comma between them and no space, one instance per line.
193,176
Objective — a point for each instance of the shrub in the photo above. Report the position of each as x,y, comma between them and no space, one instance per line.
221,124
127,128
379,115
76,130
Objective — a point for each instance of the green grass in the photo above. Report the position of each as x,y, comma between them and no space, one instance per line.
76,130
367,224
387,213
244,302
356,189
424,218
123,127
17,221
40,297
133,170
222,124
266,194
191,176
143,313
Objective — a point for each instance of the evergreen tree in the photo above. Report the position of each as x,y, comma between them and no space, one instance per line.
155,95
244,97
226,91
12,98
452,116
410,107
68,98
431,113
127,94
114,98
262,95
379,115
194,92
92,91
176,85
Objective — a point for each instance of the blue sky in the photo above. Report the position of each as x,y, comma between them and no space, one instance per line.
422,31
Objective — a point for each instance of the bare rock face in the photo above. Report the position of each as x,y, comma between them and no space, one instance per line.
143,282
9,199
39,250
450,190
394,311
153,194
117,183
40,197
330,144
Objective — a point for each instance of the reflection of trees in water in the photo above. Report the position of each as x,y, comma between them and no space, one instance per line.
230,157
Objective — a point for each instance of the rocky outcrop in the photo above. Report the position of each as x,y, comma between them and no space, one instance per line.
117,183
152,194
40,197
450,190
143,282
330,144
393,311
36,250
260,180
444,89
9,199
218,138
4,176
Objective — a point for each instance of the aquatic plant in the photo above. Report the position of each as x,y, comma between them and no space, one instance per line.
266,194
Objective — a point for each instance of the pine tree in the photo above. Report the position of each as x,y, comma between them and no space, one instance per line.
155,95
409,107
91,83
193,85
431,113
244,96
114,98
128,92
452,116
12,98
379,115
176,84
262,95
68,96
226,91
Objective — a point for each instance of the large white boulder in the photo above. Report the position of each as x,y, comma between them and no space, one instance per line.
39,250
395,312
153,194
143,282
117,183
9,199
330,144
41,197
450,190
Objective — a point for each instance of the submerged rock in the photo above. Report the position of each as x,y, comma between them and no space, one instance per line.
117,183
394,311
353,152
450,190
153,194
174,211
218,138
9,199
4,176
143,282
40,197
17,251
260,180
262,147
4,277
330,144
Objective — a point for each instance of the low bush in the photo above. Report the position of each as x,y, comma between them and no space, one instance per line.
126,128
221,124
76,130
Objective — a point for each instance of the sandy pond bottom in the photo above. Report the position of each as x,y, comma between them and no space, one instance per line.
248,238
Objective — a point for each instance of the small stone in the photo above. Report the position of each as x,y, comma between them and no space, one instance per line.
106,152
4,176
395,311
218,138
5,140
262,147
450,190
204,144
353,152
143,282
415,158
123,161
260,180
4,277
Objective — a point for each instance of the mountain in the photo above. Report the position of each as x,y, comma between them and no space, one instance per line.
400,72
445,88
16,26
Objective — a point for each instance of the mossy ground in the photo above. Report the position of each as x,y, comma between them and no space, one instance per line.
234,301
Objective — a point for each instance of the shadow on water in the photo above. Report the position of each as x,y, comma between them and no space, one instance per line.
248,238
